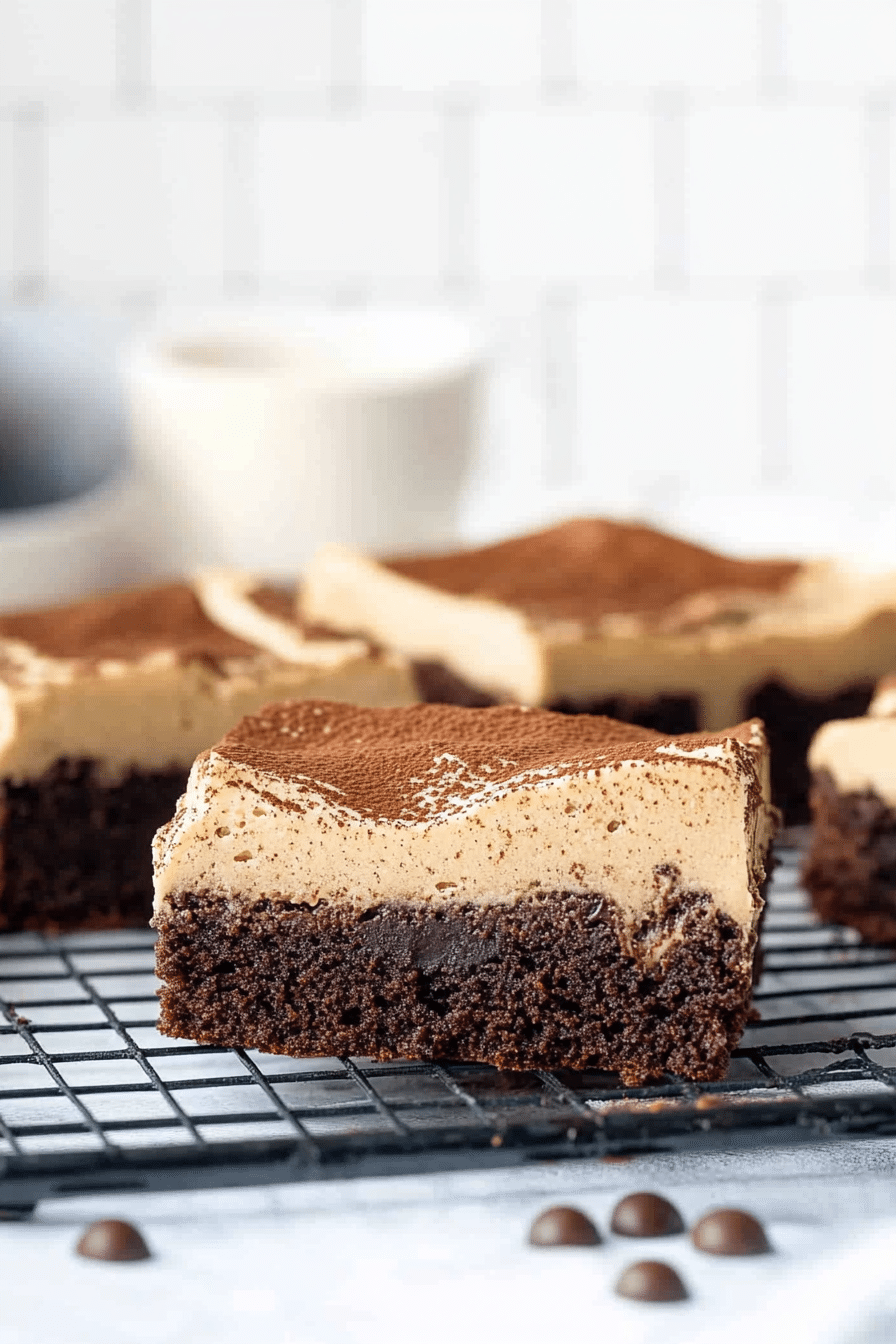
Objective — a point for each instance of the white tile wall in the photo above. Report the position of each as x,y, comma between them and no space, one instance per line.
8,257
669,387
777,190
564,194
705,45
334,202
57,48
208,48
843,392
134,202
473,45
842,44
680,214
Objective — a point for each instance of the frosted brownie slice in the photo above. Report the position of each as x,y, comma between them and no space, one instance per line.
104,705
620,619
850,870
503,885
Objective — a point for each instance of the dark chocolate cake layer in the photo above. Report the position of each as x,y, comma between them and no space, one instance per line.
438,685
540,982
664,714
850,871
791,721
75,853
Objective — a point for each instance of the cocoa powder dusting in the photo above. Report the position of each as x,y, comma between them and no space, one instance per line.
592,567
411,763
126,626
274,601
281,603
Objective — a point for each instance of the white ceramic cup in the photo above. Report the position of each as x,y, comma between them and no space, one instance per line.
263,436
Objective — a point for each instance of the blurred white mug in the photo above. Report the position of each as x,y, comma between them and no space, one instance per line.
262,436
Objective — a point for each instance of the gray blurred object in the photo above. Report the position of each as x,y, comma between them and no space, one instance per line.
68,505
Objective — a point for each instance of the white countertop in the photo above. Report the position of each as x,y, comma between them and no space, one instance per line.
444,1258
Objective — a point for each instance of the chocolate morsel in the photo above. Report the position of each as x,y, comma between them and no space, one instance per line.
563,1226
651,1281
111,1239
730,1232
646,1215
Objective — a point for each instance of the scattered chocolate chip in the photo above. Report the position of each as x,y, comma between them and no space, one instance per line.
651,1281
563,1227
646,1215
730,1232
111,1239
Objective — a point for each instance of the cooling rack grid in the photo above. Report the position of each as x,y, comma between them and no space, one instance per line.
92,1099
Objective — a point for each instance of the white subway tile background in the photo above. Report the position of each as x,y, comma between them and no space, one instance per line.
678,215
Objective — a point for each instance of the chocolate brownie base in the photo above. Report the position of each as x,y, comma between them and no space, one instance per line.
437,685
850,870
664,714
540,982
76,853
791,721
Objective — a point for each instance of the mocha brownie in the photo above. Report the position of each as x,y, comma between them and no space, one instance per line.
504,885
103,706
850,870
617,618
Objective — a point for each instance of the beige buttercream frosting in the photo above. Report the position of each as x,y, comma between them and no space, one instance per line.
227,597
858,754
883,704
322,803
816,628
146,680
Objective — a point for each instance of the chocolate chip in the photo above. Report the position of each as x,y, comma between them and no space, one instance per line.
111,1239
730,1232
562,1226
651,1281
646,1215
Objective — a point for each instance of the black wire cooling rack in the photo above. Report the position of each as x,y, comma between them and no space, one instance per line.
92,1099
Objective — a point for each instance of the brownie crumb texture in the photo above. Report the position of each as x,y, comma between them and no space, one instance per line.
438,685
76,853
543,982
850,870
667,714
791,721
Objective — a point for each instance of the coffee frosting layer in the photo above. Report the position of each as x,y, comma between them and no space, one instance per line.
593,610
249,609
147,679
859,755
310,802
588,568
126,627
883,704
